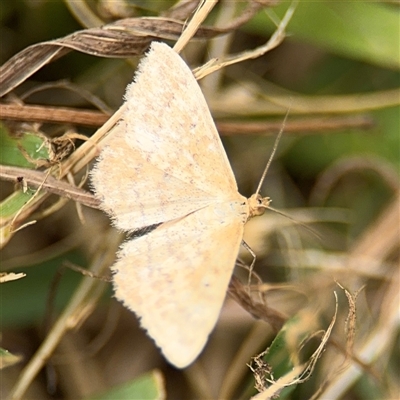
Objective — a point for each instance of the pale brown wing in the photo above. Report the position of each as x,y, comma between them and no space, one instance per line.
165,158
138,194
175,278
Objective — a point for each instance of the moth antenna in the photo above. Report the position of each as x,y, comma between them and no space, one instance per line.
302,224
271,157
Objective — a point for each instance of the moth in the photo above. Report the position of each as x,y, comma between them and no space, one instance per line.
165,167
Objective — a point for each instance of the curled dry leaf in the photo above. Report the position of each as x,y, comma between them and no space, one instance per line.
124,38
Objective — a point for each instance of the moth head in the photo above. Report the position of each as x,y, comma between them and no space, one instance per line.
257,205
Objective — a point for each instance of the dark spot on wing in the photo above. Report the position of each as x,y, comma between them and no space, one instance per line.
143,231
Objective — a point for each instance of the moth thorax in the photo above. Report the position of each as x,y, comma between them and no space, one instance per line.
257,205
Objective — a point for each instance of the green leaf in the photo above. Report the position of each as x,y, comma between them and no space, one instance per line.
13,203
366,31
10,148
23,302
147,387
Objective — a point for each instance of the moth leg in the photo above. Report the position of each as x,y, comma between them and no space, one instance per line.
250,250
252,274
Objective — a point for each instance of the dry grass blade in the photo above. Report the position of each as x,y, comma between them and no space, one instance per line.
199,16
11,276
275,40
306,125
48,183
60,115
